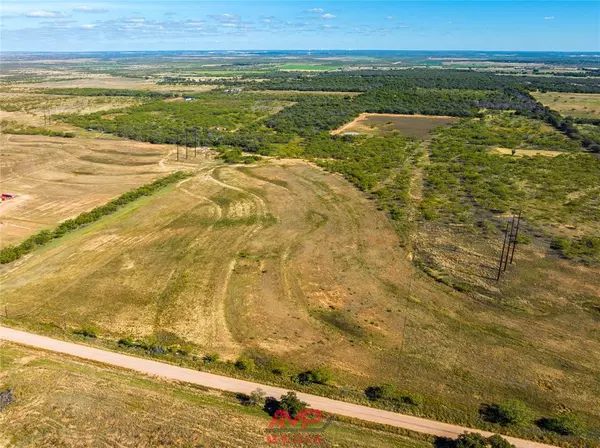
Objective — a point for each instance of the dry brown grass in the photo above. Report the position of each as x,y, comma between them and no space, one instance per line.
114,82
286,260
65,402
57,178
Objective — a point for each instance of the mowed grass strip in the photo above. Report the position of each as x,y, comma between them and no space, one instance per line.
13,253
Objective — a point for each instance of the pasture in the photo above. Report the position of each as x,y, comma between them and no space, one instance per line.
578,105
416,126
283,263
131,410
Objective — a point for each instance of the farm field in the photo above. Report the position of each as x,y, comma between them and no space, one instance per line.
308,67
578,105
58,178
417,126
110,82
134,411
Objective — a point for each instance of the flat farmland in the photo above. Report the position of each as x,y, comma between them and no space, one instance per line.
417,126
114,82
579,105
58,178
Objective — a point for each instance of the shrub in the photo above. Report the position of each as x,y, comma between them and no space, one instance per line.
277,367
127,342
385,391
210,358
320,375
88,332
157,350
291,403
412,399
473,440
257,397
244,363
512,412
497,441
565,424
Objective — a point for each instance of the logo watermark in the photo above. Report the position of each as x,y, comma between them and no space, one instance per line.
306,429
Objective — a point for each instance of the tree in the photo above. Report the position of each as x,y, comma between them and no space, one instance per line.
473,440
565,424
511,412
292,404
256,398
244,363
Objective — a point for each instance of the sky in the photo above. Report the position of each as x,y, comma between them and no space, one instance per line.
297,25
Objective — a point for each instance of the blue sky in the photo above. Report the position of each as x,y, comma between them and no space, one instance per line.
209,25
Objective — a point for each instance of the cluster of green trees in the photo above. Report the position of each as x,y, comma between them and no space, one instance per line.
313,114
214,119
363,161
19,129
394,398
515,413
465,179
13,253
585,249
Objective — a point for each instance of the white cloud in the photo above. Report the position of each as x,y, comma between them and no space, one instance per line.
135,20
549,18
328,16
389,17
225,17
46,14
88,26
318,10
89,9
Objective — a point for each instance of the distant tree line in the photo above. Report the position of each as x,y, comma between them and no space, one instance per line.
368,80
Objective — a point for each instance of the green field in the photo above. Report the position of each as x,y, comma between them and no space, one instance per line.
309,67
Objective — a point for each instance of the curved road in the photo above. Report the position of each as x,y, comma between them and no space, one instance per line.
210,380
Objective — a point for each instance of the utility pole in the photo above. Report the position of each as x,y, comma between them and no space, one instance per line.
510,240
186,144
195,142
177,145
516,235
502,255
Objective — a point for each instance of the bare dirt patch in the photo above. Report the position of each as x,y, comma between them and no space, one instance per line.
528,152
417,126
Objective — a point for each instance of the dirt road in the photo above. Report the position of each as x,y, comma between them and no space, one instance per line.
172,372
